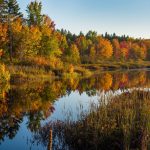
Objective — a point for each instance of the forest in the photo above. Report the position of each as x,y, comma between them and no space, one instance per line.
34,42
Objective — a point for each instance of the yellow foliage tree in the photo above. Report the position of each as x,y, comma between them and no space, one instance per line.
17,25
3,35
104,47
124,52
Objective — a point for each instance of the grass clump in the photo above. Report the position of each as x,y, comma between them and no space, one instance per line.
122,123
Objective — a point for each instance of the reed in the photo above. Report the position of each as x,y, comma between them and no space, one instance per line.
121,123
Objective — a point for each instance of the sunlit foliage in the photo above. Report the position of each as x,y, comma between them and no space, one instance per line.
37,36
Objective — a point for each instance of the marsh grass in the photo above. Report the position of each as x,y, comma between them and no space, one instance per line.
31,68
26,73
121,124
110,65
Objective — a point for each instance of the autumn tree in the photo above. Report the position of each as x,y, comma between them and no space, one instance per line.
47,21
138,52
92,54
148,54
34,40
28,41
104,48
82,44
72,54
3,37
124,50
16,28
9,12
62,40
116,48
49,46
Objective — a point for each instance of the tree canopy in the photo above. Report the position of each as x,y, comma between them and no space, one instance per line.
36,36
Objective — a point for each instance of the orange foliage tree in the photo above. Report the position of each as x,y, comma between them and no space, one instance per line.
104,48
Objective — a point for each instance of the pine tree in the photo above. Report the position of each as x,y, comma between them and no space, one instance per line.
9,10
13,8
3,10
34,13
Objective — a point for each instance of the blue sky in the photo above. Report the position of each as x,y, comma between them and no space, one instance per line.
130,17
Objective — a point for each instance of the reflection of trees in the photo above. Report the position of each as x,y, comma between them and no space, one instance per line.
106,81
138,78
3,101
9,125
114,81
33,101
121,124
36,100
120,80
34,120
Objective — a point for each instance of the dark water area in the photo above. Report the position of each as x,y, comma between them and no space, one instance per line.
26,109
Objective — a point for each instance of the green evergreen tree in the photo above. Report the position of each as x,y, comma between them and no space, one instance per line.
2,10
13,8
34,13
9,10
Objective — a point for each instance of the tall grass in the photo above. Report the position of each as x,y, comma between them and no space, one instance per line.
121,124
110,65
33,73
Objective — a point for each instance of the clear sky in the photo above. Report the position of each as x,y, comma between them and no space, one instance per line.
129,17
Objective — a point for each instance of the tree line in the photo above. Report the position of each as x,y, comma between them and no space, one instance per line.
37,37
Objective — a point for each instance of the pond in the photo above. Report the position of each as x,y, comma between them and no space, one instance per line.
28,109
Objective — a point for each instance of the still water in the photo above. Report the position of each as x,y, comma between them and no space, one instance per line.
27,107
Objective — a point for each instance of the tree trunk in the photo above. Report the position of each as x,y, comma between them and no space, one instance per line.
10,39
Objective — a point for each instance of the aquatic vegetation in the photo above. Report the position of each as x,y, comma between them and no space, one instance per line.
122,123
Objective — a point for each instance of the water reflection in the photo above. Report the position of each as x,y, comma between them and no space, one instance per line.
36,101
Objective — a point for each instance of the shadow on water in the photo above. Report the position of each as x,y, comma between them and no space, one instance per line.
119,121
